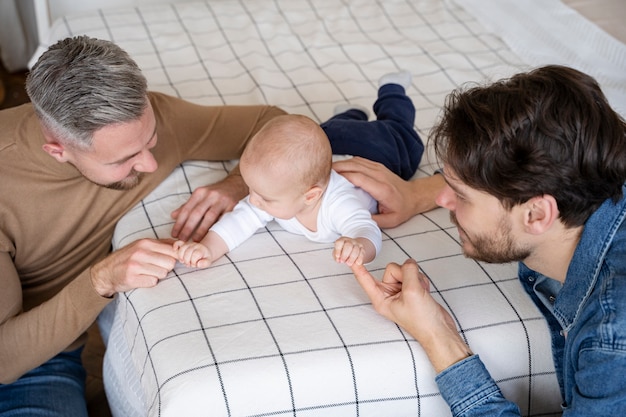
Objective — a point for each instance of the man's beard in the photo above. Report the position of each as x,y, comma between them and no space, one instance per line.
128,183
131,181
500,248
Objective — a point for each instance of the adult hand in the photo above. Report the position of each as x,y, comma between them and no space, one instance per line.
205,206
398,200
140,264
403,296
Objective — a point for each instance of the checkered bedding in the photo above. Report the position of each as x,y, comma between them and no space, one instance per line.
277,328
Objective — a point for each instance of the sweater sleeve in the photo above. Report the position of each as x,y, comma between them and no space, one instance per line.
30,338
214,133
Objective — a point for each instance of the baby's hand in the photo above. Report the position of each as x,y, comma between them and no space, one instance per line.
193,254
348,251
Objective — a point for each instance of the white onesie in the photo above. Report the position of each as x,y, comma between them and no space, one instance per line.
345,211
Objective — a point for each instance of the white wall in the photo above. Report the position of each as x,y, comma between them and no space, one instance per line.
18,33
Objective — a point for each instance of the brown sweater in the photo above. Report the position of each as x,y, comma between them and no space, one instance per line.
54,224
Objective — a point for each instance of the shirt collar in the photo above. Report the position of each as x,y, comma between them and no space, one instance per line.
588,259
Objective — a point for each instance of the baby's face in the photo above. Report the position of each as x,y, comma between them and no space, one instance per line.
273,194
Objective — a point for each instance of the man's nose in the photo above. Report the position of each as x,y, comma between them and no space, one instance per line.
147,163
446,198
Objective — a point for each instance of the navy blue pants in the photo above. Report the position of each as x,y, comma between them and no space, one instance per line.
390,139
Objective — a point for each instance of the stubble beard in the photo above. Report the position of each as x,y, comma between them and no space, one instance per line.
128,183
499,249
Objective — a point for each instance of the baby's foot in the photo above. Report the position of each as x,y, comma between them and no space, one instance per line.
402,78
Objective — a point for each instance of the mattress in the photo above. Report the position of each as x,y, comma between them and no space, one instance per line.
276,328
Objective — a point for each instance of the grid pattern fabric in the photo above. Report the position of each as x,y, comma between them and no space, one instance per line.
305,56
276,328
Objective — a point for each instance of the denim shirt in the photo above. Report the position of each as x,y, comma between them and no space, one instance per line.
587,321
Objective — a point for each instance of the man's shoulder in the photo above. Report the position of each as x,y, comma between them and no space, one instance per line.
12,121
14,115
157,97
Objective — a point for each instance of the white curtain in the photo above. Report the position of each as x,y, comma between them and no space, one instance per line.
18,33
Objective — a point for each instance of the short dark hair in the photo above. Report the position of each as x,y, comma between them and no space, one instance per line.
547,131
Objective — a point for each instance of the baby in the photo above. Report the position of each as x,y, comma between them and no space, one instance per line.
287,166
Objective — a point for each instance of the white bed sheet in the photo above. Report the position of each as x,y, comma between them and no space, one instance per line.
276,327
549,32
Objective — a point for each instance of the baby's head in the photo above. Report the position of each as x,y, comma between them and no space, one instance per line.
287,165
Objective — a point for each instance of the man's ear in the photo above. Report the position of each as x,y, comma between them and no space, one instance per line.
314,193
56,150
540,214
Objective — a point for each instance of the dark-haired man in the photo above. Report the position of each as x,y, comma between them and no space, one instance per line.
535,171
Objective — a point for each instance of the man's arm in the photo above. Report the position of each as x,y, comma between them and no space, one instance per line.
141,264
403,296
398,200
211,133
30,338
206,205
